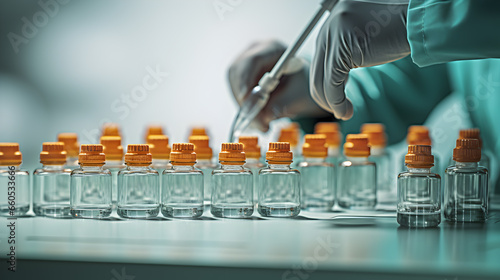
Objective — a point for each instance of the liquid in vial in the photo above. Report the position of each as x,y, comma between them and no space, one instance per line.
253,160
318,183
357,179
331,130
51,183
204,162
112,148
232,195
14,182
91,185
419,190
182,185
466,185
279,184
138,185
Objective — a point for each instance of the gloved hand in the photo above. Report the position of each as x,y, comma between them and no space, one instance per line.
289,99
356,34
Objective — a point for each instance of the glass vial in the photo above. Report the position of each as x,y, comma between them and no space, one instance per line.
112,147
357,179
204,161
232,195
333,138
71,147
279,184
386,192
138,185
159,148
253,155
318,183
91,185
420,135
466,185
14,182
419,190
51,183
291,134
182,185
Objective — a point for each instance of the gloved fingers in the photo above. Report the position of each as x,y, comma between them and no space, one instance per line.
245,72
317,72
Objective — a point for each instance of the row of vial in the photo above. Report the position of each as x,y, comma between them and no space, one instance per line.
419,193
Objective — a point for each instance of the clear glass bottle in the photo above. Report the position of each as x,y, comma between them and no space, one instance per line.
331,130
420,135
158,145
466,185
318,183
419,190
253,155
91,185
279,184
51,183
182,185
71,147
138,185
357,179
113,150
14,182
387,193
232,195
204,162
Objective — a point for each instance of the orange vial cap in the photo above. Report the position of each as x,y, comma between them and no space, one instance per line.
53,153
232,154
70,141
250,146
279,153
376,134
418,135
290,134
138,154
158,145
183,154
467,150
198,130
201,146
111,129
356,145
472,133
419,156
332,132
153,130
112,147
315,146
10,154
92,155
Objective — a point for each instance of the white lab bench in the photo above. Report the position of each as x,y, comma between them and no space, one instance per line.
336,245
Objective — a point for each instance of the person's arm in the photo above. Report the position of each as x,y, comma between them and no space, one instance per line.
396,94
442,31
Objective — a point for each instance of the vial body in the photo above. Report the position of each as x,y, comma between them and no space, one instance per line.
15,191
466,193
386,192
232,195
317,184
357,184
206,166
91,189
114,166
51,191
419,198
254,165
279,191
182,192
138,192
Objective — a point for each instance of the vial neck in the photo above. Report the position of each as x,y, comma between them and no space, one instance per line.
8,167
160,161
183,167
333,151
138,167
204,161
252,160
52,167
466,164
419,170
114,162
231,167
377,150
279,166
357,159
314,159
91,167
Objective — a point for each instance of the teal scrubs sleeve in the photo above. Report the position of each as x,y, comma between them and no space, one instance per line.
441,31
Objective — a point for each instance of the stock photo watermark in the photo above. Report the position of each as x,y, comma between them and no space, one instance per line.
11,221
122,275
222,7
322,251
123,106
31,26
